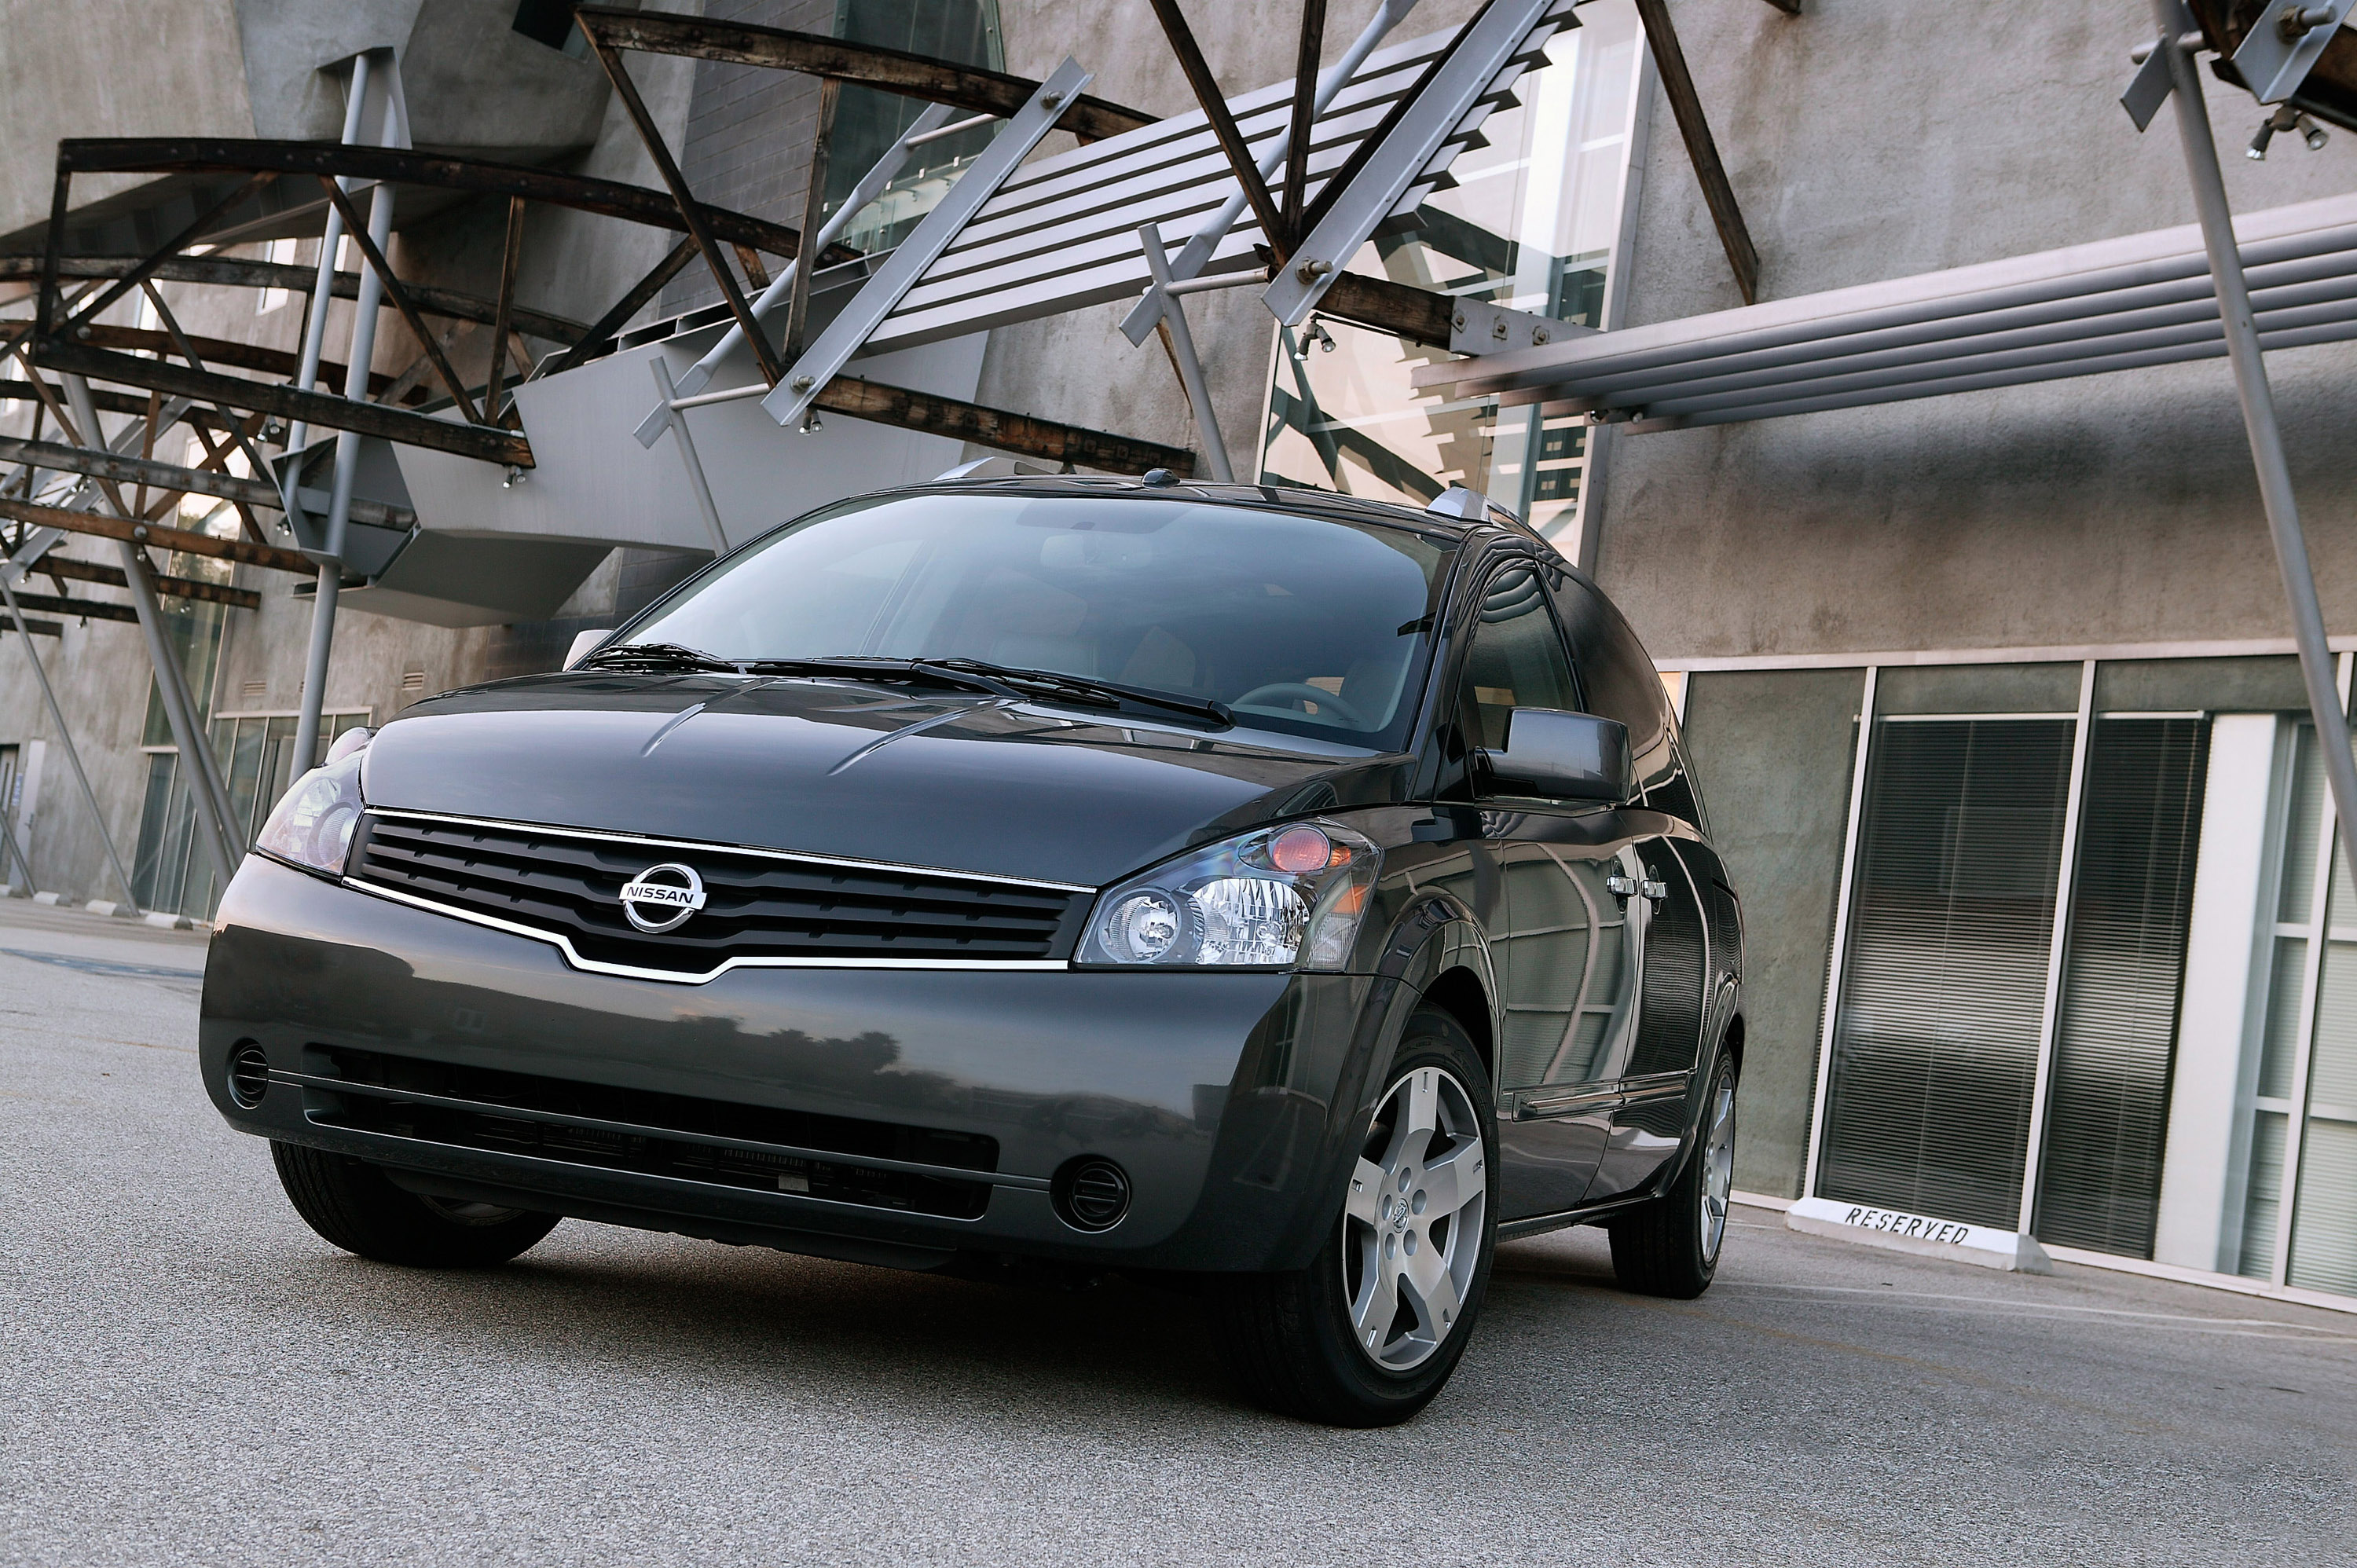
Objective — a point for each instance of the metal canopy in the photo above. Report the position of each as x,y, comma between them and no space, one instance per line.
1062,233
2144,299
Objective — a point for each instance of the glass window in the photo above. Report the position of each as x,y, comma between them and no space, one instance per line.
1309,625
1528,220
1516,660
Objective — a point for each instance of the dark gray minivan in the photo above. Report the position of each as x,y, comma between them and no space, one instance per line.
1257,889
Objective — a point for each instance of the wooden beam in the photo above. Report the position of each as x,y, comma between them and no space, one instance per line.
892,71
821,148
56,565
220,351
1305,103
237,272
121,402
1686,105
1214,105
765,353
157,536
1417,315
1019,433
85,610
609,325
173,477
509,258
356,231
482,443
477,176
171,247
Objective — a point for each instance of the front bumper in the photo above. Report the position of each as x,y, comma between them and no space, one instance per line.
1230,1099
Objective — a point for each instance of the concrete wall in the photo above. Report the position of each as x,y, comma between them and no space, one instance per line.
1867,142
109,68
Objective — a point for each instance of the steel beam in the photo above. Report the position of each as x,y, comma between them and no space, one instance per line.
634,300
1018,433
1351,204
651,137
1214,105
1685,104
792,400
173,478
871,186
1205,240
234,272
476,177
867,65
53,565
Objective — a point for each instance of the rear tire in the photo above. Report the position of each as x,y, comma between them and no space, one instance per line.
1670,1246
1405,1264
355,1206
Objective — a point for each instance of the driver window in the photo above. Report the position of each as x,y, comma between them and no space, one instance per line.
1516,660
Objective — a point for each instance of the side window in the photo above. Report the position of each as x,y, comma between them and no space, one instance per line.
1623,684
1517,659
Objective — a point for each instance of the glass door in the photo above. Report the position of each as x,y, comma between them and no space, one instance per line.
2299,1203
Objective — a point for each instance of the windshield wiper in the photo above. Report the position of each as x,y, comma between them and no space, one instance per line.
663,656
1113,693
862,669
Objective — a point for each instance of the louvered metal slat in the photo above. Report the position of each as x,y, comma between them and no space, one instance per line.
1062,233
2123,970
1936,1036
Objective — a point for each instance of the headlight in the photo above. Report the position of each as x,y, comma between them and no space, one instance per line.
311,827
1290,897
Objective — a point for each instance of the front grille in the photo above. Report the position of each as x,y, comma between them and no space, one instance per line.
565,1128
758,905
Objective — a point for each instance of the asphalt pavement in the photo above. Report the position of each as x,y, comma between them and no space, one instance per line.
187,1375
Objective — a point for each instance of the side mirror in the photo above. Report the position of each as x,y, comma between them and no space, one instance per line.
1558,756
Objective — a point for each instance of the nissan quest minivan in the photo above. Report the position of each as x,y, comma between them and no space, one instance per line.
1260,890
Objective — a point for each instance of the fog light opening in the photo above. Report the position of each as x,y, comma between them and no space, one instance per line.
1090,1193
249,1075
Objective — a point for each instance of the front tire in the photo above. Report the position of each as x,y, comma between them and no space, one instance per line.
1670,1246
355,1206
1369,1332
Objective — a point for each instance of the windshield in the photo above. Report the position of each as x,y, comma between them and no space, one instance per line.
1304,624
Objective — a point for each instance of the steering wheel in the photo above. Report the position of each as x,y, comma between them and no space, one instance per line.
1297,691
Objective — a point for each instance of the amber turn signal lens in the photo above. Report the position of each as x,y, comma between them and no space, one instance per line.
1300,851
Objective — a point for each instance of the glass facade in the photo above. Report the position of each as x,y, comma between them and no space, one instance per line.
1529,218
256,755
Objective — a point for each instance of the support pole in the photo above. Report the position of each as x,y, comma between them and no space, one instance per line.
65,738
2259,417
315,324
695,480
367,296
1172,320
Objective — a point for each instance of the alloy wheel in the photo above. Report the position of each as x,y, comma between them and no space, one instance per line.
1717,1169
1413,1225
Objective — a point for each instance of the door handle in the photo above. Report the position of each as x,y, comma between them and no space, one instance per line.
1620,886
1656,891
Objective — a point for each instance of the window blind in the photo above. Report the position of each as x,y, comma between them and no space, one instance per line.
2123,971
1935,1040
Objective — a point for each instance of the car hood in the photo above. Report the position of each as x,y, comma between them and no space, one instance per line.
956,780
